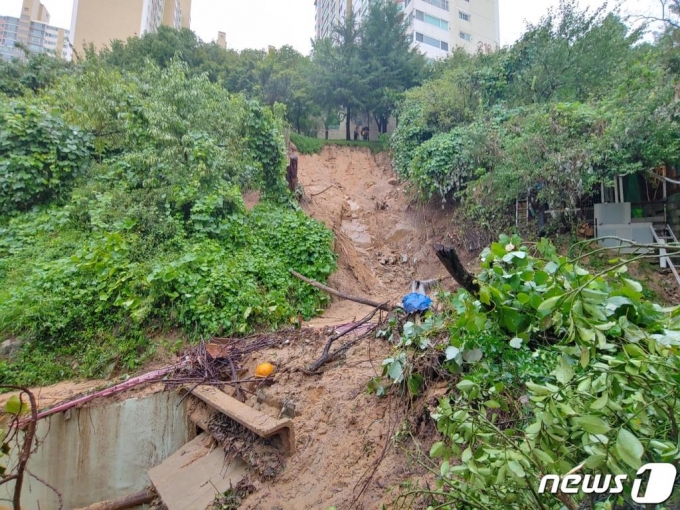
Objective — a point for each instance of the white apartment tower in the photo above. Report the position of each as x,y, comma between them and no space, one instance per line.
438,26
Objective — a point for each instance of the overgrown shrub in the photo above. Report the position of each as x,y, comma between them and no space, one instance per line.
154,234
40,155
557,367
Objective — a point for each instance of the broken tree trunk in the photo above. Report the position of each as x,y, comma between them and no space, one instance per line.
449,258
327,356
291,173
130,501
381,306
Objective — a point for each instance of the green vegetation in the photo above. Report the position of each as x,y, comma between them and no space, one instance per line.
553,366
366,69
579,99
122,216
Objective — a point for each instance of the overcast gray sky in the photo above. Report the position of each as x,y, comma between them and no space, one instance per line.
258,24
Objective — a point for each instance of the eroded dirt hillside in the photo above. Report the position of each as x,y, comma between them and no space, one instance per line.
347,455
384,238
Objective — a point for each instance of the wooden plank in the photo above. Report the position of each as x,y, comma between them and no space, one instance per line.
192,476
262,424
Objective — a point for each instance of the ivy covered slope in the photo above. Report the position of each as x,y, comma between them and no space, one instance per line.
580,98
121,214
551,366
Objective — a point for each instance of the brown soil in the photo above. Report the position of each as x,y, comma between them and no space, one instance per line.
383,238
351,443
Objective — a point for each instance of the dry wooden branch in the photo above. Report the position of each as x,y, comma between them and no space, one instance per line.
449,258
320,192
130,501
26,447
662,177
363,301
325,356
60,497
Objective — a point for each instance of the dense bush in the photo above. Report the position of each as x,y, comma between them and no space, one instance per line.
40,155
576,101
555,366
150,231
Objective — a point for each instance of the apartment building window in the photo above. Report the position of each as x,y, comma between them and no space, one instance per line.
464,16
442,4
432,41
432,20
465,36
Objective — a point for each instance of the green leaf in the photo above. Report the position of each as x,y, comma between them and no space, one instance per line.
415,382
534,428
15,406
548,304
516,469
594,296
629,448
437,450
634,351
593,424
564,371
516,343
451,352
541,277
485,295
595,461
395,371
632,284
465,385
538,389
445,468
600,403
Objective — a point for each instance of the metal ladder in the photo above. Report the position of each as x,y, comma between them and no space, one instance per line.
521,211
663,234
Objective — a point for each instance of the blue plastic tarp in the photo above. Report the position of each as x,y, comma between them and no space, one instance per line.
415,302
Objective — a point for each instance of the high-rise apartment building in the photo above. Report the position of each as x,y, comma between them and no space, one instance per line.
438,26
32,30
99,22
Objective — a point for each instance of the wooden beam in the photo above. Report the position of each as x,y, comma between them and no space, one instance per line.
363,301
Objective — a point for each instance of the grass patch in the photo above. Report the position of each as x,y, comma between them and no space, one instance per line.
308,145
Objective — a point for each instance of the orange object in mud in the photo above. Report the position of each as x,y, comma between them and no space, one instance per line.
264,370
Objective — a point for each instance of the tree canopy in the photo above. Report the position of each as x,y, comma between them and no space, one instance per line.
580,98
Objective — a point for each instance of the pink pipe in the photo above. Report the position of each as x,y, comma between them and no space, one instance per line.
118,388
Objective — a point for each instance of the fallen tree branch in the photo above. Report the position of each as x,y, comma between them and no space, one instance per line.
363,301
130,501
449,258
325,356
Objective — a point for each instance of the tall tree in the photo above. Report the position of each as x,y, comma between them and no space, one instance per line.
392,64
340,72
